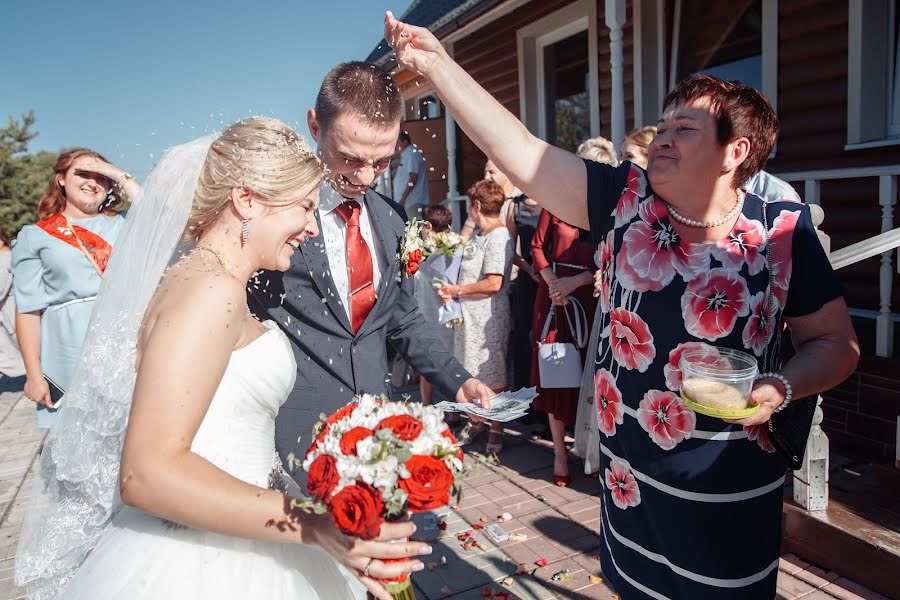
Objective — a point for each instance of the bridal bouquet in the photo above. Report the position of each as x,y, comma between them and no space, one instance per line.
444,243
374,460
444,259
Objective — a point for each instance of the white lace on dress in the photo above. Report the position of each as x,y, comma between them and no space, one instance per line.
76,489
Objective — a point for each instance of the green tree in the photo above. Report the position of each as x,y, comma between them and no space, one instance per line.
23,175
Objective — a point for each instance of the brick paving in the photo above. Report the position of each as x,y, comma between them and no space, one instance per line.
561,526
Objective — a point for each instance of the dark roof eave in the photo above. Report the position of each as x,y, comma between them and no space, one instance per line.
466,17
385,59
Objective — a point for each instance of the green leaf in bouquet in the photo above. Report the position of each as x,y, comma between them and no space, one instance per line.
384,435
293,463
308,506
457,492
395,504
403,454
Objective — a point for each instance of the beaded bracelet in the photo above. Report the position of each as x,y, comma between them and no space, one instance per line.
787,388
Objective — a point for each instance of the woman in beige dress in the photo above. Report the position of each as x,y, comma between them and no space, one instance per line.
481,341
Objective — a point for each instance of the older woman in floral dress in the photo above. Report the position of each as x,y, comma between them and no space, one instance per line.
688,258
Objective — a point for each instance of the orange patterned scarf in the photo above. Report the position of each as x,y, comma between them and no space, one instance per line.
94,247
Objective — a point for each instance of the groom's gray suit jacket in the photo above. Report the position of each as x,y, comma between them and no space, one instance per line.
333,363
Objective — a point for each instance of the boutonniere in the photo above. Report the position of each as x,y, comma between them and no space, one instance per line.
412,248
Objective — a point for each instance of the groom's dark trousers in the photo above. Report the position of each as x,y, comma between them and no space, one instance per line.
333,362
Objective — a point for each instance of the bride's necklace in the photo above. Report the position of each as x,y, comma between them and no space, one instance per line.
216,256
224,268
707,224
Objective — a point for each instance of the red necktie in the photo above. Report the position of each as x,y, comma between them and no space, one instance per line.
359,264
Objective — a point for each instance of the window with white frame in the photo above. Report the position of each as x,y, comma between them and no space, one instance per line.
423,106
723,40
559,98
566,98
677,38
873,73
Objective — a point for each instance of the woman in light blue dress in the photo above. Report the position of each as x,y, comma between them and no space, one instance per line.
57,266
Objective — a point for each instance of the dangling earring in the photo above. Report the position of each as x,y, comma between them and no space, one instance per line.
245,231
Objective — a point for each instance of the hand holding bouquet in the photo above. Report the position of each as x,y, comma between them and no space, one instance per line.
374,460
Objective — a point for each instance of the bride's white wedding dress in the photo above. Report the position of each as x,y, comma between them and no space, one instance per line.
140,556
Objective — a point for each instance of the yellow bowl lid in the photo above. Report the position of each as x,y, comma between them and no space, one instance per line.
722,413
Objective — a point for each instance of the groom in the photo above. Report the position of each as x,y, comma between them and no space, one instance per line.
345,294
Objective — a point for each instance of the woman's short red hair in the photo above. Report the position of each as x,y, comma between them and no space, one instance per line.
739,110
489,194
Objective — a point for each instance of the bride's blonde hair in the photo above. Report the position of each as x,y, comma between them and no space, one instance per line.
261,154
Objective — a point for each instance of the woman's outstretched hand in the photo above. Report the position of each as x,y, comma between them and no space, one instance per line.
416,48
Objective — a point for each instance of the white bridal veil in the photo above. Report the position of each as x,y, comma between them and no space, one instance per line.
77,488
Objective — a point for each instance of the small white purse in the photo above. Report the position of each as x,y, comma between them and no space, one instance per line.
559,363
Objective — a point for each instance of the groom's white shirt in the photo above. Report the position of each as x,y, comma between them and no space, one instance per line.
334,232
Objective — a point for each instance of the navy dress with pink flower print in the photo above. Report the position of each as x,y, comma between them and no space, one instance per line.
691,504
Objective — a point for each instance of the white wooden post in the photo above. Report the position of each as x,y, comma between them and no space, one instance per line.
811,479
615,19
818,216
453,199
884,324
811,191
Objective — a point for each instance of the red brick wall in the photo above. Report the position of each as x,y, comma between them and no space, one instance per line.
861,413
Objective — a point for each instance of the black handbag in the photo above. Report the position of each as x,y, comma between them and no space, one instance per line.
789,430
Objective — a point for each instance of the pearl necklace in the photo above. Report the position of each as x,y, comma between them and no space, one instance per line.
708,224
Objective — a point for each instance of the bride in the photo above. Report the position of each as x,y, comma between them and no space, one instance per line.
174,398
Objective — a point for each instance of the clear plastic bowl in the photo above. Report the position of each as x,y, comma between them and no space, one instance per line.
718,381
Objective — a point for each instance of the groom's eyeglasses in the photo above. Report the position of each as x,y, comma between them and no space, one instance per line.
357,164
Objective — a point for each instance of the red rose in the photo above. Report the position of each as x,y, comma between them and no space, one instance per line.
449,435
348,442
341,413
415,256
412,267
358,510
405,427
323,476
428,485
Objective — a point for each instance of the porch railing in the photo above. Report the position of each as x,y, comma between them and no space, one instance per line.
811,480
887,199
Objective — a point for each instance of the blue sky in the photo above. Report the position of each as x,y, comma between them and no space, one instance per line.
130,79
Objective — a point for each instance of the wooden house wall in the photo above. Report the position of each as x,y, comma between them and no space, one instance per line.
490,55
812,108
